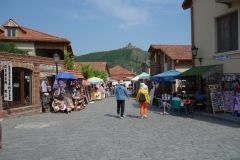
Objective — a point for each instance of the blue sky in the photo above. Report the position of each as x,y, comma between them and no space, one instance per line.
103,25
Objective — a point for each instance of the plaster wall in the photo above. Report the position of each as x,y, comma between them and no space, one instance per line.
27,46
205,13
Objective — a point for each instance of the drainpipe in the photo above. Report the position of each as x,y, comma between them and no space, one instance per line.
192,33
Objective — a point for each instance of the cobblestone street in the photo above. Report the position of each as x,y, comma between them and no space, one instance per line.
96,134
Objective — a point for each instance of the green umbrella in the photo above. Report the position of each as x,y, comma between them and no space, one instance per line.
144,75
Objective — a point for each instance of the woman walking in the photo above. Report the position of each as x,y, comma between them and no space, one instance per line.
143,99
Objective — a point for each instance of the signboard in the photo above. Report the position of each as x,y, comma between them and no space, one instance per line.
216,98
8,81
222,58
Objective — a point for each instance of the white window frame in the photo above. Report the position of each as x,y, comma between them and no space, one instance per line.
11,32
215,32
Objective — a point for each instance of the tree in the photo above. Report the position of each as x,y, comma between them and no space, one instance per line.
91,72
67,59
10,47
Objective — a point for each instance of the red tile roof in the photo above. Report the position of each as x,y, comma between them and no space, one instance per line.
120,71
31,35
180,52
118,78
102,66
75,73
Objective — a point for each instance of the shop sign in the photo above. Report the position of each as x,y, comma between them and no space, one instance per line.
7,81
222,58
46,67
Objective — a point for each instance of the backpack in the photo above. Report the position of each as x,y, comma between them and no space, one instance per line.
142,98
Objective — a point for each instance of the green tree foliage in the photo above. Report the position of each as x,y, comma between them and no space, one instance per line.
128,58
69,63
10,47
86,71
91,72
101,74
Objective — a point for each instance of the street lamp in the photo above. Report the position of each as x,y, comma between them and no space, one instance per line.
194,53
56,59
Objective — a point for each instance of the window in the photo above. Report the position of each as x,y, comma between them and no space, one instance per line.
11,32
227,33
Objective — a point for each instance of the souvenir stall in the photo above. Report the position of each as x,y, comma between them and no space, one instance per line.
65,92
231,93
95,88
200,78
86,85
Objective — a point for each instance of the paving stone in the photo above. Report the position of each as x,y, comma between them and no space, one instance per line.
96,133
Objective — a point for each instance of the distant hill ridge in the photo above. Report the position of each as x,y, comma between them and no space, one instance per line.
129,57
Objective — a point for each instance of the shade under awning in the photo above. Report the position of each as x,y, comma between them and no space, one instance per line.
203,71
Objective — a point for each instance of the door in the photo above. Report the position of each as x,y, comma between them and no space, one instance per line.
21,84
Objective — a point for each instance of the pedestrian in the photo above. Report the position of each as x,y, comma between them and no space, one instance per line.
112,90
120,91
143,99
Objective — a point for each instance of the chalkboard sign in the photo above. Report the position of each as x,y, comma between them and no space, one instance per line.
216,98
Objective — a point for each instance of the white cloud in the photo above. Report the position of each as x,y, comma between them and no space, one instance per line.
129,14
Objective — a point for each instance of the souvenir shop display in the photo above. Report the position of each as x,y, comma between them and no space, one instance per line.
216,98
237,104
228,97
55,105
68,95
45,96
46,102
78,99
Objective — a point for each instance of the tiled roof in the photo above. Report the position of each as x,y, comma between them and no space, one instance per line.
32,35
181,52
102,66
118,78
75,73
118,70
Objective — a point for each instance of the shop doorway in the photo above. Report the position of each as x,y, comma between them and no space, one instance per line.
21,85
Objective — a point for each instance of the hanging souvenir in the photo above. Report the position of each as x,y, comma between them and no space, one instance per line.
62,84
56,92
43,86
55,85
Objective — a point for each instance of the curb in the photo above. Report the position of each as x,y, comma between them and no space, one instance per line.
219,118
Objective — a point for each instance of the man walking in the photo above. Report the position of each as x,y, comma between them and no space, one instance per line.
120,91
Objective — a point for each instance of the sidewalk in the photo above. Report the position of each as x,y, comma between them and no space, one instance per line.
222,116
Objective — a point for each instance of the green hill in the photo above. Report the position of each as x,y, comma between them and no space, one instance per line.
128,58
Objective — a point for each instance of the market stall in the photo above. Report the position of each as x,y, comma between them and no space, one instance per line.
68,93
95,88
199,78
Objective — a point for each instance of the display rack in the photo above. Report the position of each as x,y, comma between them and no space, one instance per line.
189,87
216,98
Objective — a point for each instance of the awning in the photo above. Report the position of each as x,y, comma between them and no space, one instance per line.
203,71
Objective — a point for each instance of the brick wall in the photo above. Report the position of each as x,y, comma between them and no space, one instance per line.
31,63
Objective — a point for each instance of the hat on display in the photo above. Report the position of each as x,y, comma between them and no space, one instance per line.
56,100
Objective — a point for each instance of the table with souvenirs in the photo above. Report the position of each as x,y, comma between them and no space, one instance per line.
65,95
